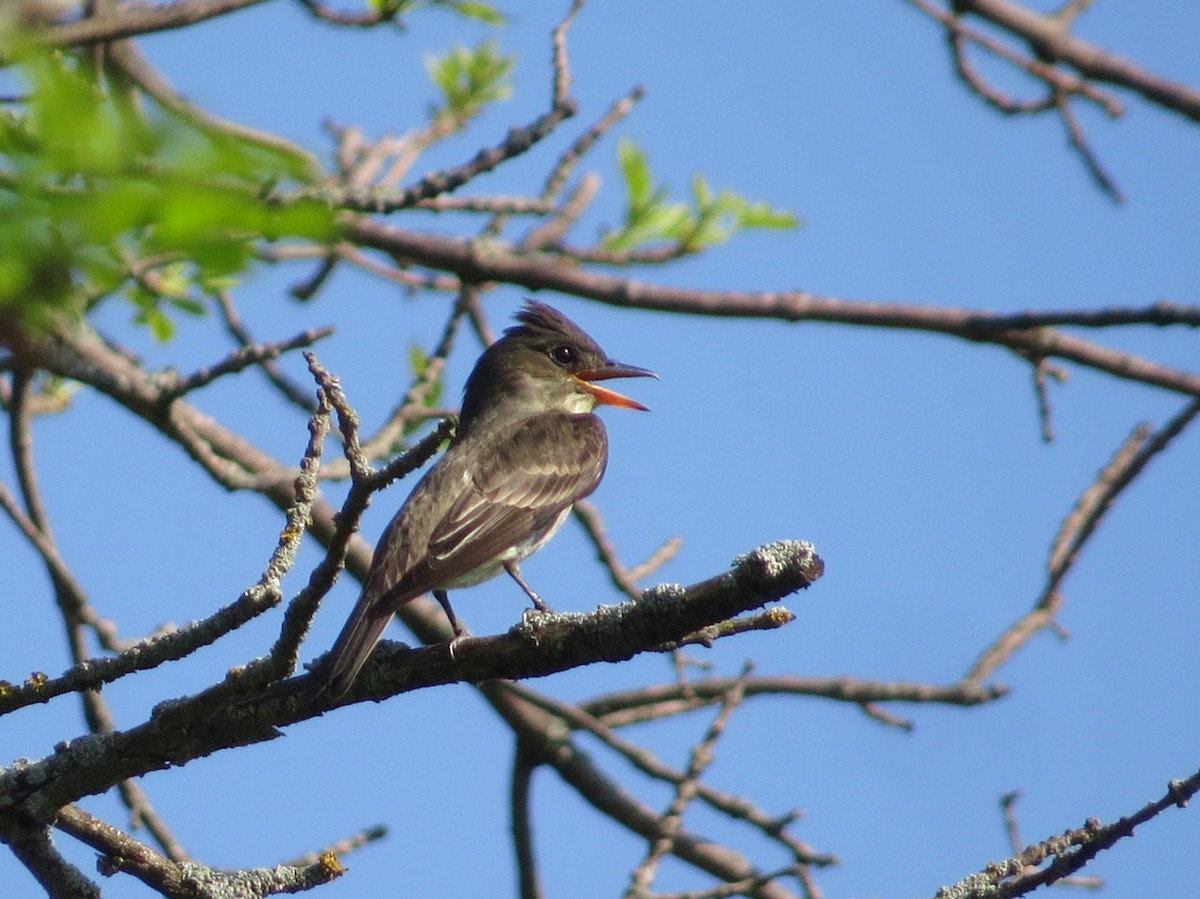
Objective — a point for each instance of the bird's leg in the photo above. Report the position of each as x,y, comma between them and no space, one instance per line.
515,573
444,602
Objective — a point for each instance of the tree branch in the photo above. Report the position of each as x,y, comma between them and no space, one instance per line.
130,21
1067,853
498,261
1052,41
538,647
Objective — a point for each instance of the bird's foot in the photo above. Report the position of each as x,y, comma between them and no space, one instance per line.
532,618
460,634
541,606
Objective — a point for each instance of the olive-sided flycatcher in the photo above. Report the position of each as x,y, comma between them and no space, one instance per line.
526,448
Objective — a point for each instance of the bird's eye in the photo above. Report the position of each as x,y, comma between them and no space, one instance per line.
563,355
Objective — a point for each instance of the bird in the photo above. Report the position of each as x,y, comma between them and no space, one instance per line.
527,447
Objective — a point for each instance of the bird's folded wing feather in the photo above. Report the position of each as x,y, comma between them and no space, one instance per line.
531,474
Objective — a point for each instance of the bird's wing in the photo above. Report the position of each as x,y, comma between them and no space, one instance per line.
530,475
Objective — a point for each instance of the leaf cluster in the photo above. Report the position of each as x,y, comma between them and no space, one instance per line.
469,78
97,197
709,218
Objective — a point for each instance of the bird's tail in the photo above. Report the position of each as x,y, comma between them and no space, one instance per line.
354,644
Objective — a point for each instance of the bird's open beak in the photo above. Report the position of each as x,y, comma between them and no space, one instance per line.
606,397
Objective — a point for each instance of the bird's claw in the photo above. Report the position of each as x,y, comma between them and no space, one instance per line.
532,618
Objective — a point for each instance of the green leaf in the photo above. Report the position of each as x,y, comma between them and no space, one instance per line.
161,326
480,12
88,182
761,215
470,78
708,220
189,305
215,283
390,8
636,172
417,360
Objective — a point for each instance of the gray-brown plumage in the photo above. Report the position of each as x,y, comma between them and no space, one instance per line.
527,447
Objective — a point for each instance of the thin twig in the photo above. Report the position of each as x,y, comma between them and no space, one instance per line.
121,853
561,93
1042,370
241,359
551,232
589,516
734,807
386,200
1078,527
342,847
998,100
653,702
685,791
131,61
1080,145
104,629
289,389
1066,853
415,403
1053,77
1008,807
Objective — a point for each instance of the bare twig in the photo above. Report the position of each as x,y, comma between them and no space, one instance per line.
1008,806
1041,371
105,630
734,807
998,100
240,360
561,94
289,389
90,673
342,847
579,147
1055,79
283,656
652,702
121,853
589,516
1127,463
385,200
494,205
1051,39
1080,145
747,886
1066,854
685,791
551,232
137,68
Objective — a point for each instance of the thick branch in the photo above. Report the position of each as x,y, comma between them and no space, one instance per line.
498,262
184,730
135,20
1052,40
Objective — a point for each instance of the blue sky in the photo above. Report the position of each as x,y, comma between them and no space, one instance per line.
913,462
